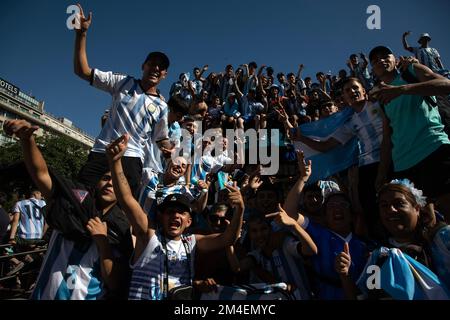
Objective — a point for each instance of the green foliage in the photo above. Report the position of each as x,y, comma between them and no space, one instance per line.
62,154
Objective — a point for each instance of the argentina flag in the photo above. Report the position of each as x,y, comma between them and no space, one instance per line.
401,277
325,164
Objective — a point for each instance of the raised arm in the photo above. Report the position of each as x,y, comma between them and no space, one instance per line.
140,222
293,198
204,69
364,59
405,42
299,72
306,245
80,61
34,161
431,84
322,146
231,234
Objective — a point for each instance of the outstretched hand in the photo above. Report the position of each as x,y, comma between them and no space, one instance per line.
20,128
117,148
85,23
234,196
281,217
304,167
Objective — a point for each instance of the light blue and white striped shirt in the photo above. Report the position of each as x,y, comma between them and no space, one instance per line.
69,271
148,272
367,125
31,222
427,56
286,265
141,115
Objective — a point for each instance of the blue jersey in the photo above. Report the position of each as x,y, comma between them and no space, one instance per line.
31,223
326,281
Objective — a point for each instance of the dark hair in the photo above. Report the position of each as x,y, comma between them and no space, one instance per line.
253,64
290,74
218,207
399,188
176,104
307,79
279,75
229,66
320,74
196,68
188,119
353,56
269,70
313,187
161,56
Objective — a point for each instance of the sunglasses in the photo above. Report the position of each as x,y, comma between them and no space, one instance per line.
215,219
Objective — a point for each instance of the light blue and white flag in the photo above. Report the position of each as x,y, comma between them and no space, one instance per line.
402,277
325,164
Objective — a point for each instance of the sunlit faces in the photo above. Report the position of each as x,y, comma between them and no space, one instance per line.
153,71
327,109
383,63
105,189
191,127
338,214
177,167
398,215
174,220
259,232
354,92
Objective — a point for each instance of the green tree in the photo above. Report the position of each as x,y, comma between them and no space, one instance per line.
62,154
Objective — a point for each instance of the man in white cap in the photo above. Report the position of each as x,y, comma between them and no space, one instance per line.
426,55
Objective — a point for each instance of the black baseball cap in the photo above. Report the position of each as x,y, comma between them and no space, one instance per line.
176,200
379,50
161,56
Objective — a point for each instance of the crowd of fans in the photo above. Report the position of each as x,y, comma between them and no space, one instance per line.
145,222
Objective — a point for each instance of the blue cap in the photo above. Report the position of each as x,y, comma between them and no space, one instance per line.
378,50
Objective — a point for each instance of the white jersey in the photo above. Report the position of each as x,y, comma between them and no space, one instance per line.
367,125
148,272
142,116
31,222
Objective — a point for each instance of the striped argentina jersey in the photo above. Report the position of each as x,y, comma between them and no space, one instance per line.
427,56
367,125
147,278
286,265
142,116
31,223
69,271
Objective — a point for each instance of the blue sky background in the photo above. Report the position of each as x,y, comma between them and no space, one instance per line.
37,48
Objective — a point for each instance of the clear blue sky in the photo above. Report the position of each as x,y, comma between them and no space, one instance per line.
37,49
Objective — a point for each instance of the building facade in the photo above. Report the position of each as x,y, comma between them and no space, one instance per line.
14,104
